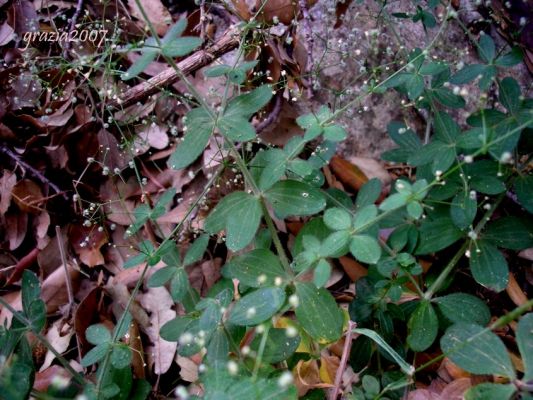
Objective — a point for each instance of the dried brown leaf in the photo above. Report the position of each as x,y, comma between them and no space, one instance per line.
158,303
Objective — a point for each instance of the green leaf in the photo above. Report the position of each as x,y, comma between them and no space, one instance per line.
257,306
489,267
415,86
180,46
467,74
433,68
510,58
97,334
446,97
199,128
321,273
121,356
415,209
290,197
510,94
335,133
148,55
394,201
318,313
462,307
36,313
218,347
256,268
249,103
423,327
524,339
173,329
161,276
268,167
236,128
179,285
510,233
437,235
240,214
337,219
486,49
406,368
524,191
279,345
243,223
335,245
365,217
477,350
371,385
196,250
31,290
463,209
95,354
446,129
369,193
490,391
365,249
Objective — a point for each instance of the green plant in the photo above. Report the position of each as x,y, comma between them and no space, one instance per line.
272,297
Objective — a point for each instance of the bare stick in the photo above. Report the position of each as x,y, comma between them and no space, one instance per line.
199,59
63,255
72,25
344,360
35,173
308,35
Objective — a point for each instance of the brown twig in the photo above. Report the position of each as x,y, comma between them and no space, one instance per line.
35,173
199,59
63,255
344,360
72,25
308,35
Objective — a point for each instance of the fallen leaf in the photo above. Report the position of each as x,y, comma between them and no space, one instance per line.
328,368
58,336
44,378
87,243
514,291
456,389
158,303
157,13
349,174
188,369
17,224
27,195
352,268
7,182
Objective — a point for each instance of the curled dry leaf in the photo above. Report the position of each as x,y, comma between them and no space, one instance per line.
514,291
328,368
371,168
41,224
158,303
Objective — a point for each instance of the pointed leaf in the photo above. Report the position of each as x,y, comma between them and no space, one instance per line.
318,313
462,307
489,267
257,306
490,391
423,327
477,350
256,268
365,249
290,197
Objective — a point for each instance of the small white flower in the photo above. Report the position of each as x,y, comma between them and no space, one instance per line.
278,281
472,235
261,279
181,392
291,331
467,254
285,379
294,301
251,312
245,350
233,367
469,159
